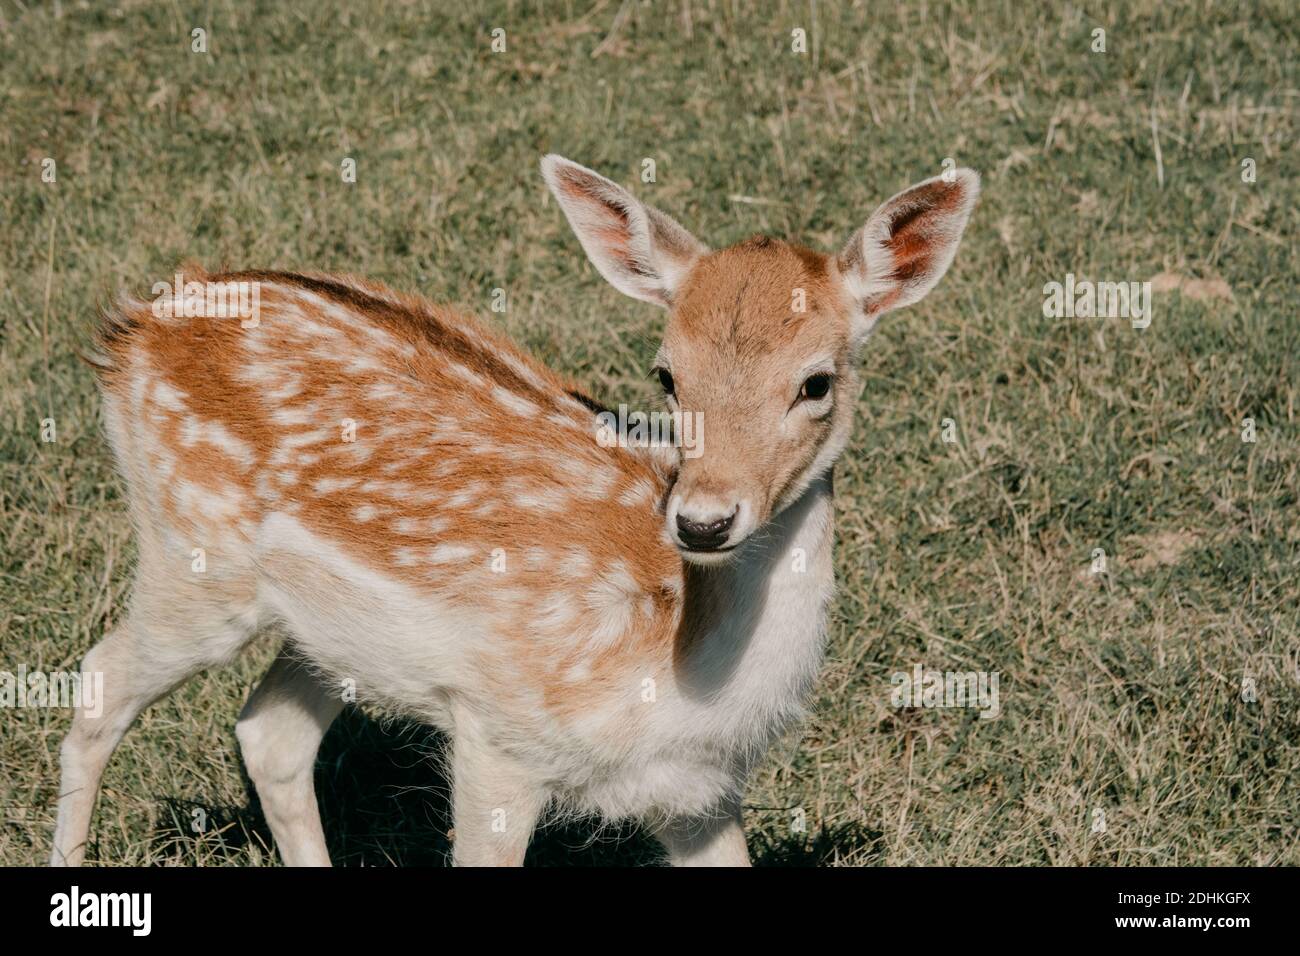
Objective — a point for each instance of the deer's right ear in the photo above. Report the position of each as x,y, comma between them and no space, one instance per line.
639,250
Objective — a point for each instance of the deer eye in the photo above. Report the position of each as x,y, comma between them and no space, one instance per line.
815,386
666,380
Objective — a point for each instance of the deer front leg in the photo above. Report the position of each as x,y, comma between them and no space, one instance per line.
495,806
714,840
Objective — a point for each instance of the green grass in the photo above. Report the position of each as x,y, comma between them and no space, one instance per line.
1120,693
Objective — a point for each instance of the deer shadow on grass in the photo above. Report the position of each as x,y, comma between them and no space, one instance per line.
849,843
385,800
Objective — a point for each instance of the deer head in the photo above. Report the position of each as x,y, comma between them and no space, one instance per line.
762,337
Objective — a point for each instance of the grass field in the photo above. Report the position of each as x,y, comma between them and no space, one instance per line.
1164,693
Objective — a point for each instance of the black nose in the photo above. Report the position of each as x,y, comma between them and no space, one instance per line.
704,536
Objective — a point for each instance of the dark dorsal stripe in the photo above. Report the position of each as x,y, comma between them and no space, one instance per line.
595,407
422,324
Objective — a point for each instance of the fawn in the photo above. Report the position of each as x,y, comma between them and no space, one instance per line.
428,513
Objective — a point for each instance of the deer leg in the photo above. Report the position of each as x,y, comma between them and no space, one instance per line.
706,841
495,806
157,648
279,731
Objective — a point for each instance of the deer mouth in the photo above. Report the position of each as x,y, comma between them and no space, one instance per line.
708,557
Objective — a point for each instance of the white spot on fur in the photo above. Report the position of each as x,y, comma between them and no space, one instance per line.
541,500
383,392
263,488
447,553
557,612
523,370
218,507
613,596
327,486
291,387
293,415
465,495
579,673
595,484
564,421
640,492
516,404
418,526
465,375
168,397
315,437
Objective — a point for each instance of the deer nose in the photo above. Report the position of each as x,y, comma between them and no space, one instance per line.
705,535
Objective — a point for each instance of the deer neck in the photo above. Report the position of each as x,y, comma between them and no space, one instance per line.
753,629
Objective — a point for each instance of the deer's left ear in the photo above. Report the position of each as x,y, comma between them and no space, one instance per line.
906,246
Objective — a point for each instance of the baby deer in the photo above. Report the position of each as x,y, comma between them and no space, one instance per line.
438,524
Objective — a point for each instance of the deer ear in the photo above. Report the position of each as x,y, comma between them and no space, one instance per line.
639,250
906,246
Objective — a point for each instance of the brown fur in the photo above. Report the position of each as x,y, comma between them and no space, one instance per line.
424,437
